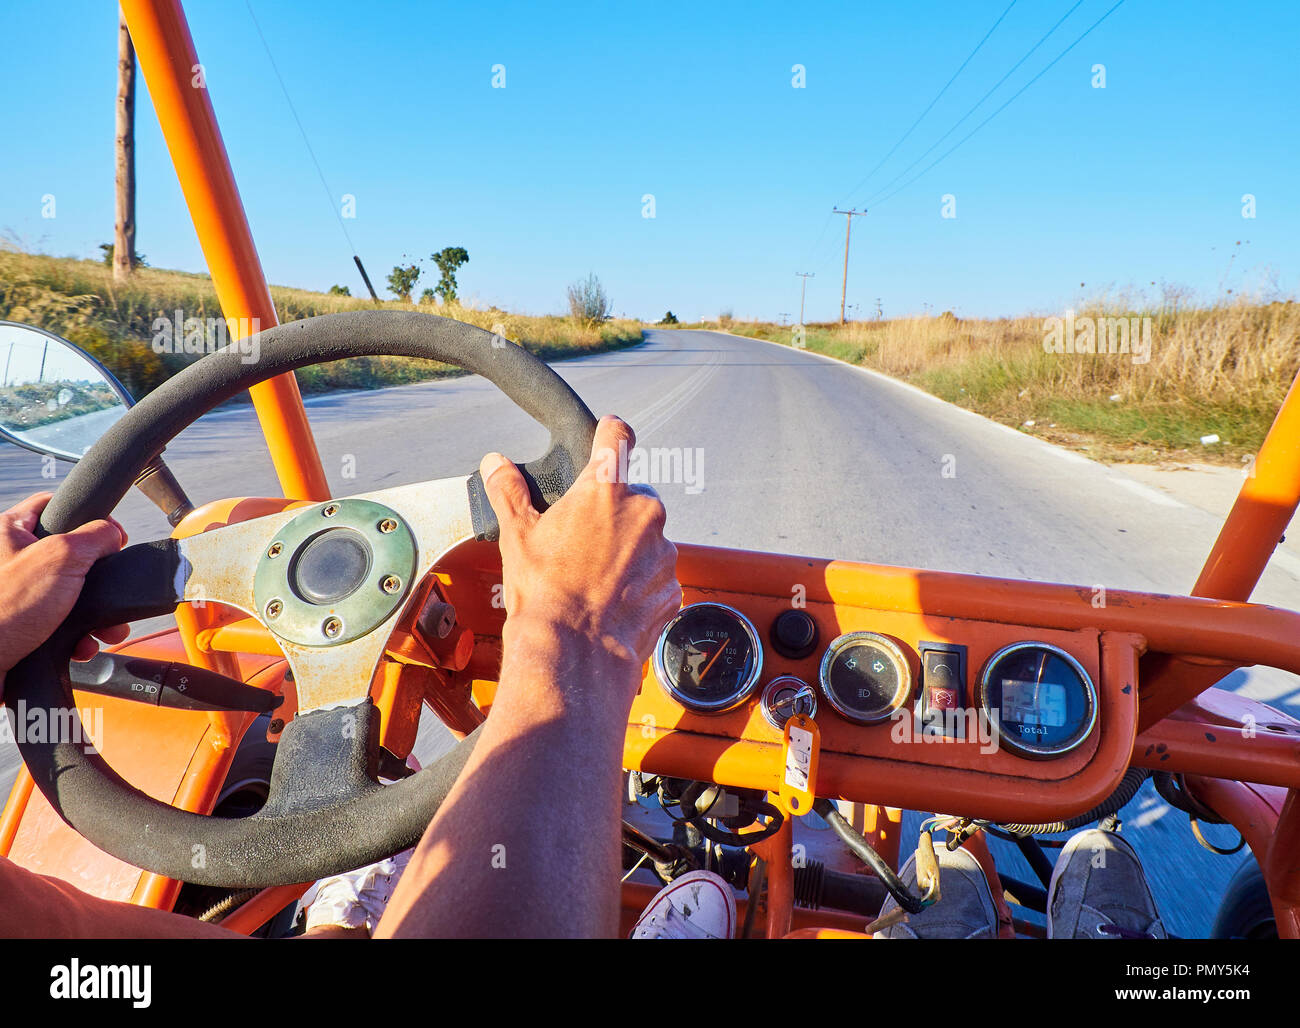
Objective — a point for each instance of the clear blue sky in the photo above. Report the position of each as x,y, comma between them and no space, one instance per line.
542,181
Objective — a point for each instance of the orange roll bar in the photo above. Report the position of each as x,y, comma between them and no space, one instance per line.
1261,513
171,69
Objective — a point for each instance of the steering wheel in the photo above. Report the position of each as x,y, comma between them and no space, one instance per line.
328,581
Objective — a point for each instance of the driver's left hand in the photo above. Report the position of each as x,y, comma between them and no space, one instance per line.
40,580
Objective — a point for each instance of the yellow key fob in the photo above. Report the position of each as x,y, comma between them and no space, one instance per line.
799,765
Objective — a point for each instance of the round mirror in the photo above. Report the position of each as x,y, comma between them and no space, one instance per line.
54,397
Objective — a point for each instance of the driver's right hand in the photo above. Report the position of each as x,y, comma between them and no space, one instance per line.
595,570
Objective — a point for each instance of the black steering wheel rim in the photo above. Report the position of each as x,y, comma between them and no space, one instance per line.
337,817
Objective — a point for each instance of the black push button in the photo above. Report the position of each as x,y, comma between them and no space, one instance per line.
794,634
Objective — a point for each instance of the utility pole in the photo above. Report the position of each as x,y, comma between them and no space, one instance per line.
803,290
124,229
849,215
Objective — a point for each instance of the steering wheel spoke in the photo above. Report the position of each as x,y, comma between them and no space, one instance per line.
331,581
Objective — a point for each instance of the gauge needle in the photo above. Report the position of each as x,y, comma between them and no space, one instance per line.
716,655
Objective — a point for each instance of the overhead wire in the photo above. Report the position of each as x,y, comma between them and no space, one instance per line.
329,194
978,103
930,106
1004,106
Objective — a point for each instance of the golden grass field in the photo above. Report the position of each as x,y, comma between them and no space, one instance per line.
1216,370
78,300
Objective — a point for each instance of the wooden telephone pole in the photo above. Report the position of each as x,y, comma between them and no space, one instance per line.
124,227
849,215
803,290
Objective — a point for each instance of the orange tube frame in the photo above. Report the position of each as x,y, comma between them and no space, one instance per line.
172,70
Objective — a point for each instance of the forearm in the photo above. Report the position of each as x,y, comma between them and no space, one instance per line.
35,906
527,842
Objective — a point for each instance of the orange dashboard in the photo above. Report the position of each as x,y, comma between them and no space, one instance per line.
893,761
954,763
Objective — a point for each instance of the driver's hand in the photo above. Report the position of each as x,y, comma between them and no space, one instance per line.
40,580
596,566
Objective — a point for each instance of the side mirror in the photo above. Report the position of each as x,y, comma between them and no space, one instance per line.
54,397
58,400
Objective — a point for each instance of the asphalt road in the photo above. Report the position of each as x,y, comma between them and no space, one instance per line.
793,453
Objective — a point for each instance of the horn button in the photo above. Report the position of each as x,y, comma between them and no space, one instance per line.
331,566
335,573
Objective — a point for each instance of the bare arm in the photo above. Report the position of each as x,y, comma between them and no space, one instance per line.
527,843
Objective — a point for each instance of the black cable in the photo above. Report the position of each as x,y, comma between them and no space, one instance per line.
1125,791
1035,857
862,849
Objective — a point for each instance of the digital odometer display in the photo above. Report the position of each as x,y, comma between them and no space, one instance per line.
865,677
1039,699
708,658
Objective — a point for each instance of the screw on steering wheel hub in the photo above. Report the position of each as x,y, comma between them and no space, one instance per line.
335,573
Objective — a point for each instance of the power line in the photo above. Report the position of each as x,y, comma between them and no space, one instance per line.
1004,105
903,138
306,142
821,233
1029,53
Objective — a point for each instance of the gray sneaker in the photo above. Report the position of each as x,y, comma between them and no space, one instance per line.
1098,891
965,909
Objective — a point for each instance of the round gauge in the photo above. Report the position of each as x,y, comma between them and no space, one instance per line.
708,658
865,677
785,696
1039,700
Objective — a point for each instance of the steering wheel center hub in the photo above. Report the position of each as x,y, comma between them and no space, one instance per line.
335,573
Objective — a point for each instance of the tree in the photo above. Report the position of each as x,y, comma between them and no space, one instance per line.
402,281
124,144
109,251
668,319
448,259
428,296
340,291
588,302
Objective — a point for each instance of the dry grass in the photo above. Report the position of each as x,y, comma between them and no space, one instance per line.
1221,369
78,300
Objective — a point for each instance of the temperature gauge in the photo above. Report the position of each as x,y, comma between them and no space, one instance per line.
708,658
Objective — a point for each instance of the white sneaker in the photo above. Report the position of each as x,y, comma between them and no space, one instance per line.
698,905
358,898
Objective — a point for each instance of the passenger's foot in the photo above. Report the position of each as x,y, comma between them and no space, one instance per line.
965,909
1098,891
357,899
698,905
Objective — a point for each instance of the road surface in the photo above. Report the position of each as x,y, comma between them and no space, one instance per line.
794,453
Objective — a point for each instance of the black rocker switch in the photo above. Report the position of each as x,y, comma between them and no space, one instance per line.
943,685
794,634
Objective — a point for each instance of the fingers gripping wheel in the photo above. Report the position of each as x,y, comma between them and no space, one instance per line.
326,811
